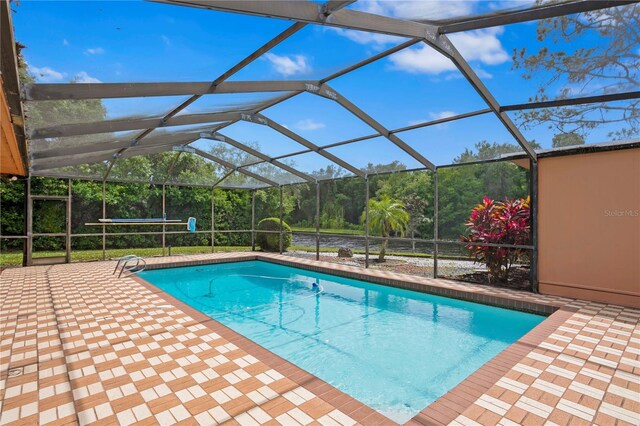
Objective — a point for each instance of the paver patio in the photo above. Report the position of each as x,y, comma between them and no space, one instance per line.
80,346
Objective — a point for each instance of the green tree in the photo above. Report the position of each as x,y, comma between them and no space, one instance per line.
415,190
610,64
459,189
566,139
499,179
387,216
50,113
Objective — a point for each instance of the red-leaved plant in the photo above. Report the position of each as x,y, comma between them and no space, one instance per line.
498,222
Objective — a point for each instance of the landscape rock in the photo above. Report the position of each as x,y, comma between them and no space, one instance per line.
345,252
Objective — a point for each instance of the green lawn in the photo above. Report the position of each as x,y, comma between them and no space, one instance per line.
329,231
15,258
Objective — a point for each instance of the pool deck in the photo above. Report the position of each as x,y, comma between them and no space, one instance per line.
80,346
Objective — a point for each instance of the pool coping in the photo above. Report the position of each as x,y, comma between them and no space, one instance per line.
441,411
348,405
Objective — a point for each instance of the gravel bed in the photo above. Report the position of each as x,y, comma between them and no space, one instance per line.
407,265
461,270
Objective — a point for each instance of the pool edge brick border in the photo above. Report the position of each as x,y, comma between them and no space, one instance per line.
449,406
360,412
442,411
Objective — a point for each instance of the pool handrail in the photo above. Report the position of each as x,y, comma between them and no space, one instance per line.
132,269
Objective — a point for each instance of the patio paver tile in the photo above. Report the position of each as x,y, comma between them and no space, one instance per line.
79,346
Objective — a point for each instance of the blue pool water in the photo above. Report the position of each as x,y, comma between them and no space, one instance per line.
394,350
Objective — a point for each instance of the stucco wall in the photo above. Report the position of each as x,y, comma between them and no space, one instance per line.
589,226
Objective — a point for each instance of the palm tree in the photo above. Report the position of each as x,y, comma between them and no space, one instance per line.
386,216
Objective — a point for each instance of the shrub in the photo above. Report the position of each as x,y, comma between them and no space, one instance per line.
271,241
497,222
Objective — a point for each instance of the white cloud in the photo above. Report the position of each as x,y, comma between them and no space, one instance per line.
412,9
481,46
65,42
46,74
421,59
289,65
435,116
83,77
404,9
363,37
482,73
94,51
166,40
441,114
308,125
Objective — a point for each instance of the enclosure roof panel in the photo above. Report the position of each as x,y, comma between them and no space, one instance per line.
363,87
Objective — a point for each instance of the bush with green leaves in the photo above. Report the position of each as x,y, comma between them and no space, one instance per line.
270,241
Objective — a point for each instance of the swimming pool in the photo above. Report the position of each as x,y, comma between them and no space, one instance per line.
392,349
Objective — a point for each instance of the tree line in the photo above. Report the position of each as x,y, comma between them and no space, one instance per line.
342,202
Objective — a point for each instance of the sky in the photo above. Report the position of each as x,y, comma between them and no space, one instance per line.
135,41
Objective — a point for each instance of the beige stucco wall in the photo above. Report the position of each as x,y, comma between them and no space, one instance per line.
589,226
